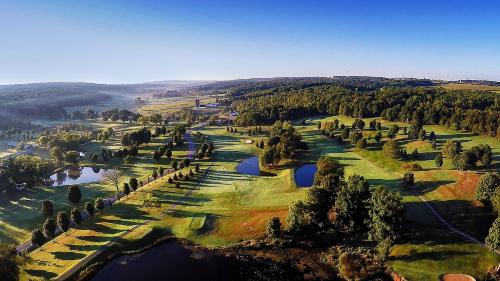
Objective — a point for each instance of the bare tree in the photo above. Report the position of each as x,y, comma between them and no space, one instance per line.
112,176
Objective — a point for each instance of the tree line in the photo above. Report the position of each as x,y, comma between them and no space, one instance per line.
472,111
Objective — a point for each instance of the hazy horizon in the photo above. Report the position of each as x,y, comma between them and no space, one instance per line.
127,42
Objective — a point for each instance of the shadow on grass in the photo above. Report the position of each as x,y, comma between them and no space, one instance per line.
68,255
41,273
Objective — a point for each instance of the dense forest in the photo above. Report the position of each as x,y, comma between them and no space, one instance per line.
237,88
474,111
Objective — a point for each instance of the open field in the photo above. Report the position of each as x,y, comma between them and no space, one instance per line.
172,104
454,86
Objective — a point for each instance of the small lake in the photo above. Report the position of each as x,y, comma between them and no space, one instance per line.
170,261
249,166
304,175
76,176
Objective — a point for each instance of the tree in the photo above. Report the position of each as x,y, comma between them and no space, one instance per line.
9,265
319,202
298,218
422,135
63,221
47,208
345,133
74,194
408,178
378,136
113,177
488,184
156,156
89,207
386,213
351,204
133,183
175,165
126,189
493,238
273,227
393,131
154,174
362,143
168,153
451,148
49,229
76,216
37,237
439,160
72,157
464,161
99,204
391,149
414,154
161,171
197,167
186,162
432,136
327,166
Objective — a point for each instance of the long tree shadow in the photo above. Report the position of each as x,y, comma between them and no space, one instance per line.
41,273
68,255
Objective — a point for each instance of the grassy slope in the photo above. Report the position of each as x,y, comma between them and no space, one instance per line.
26,204
236,206
430,251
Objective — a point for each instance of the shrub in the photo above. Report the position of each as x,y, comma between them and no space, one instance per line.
409,178
411,166
273,227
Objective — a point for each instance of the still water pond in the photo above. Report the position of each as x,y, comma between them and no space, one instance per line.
304,175
169,261
249,166
76,176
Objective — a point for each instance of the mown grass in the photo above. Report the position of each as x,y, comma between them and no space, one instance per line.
26,204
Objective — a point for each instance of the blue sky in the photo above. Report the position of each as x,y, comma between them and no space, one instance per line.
136,41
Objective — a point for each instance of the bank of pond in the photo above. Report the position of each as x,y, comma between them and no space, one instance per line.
304,175
174,261
76,175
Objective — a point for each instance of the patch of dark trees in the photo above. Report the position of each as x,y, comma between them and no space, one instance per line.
472,111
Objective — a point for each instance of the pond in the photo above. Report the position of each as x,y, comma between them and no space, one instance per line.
249,166
304,175
76,176
173,262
